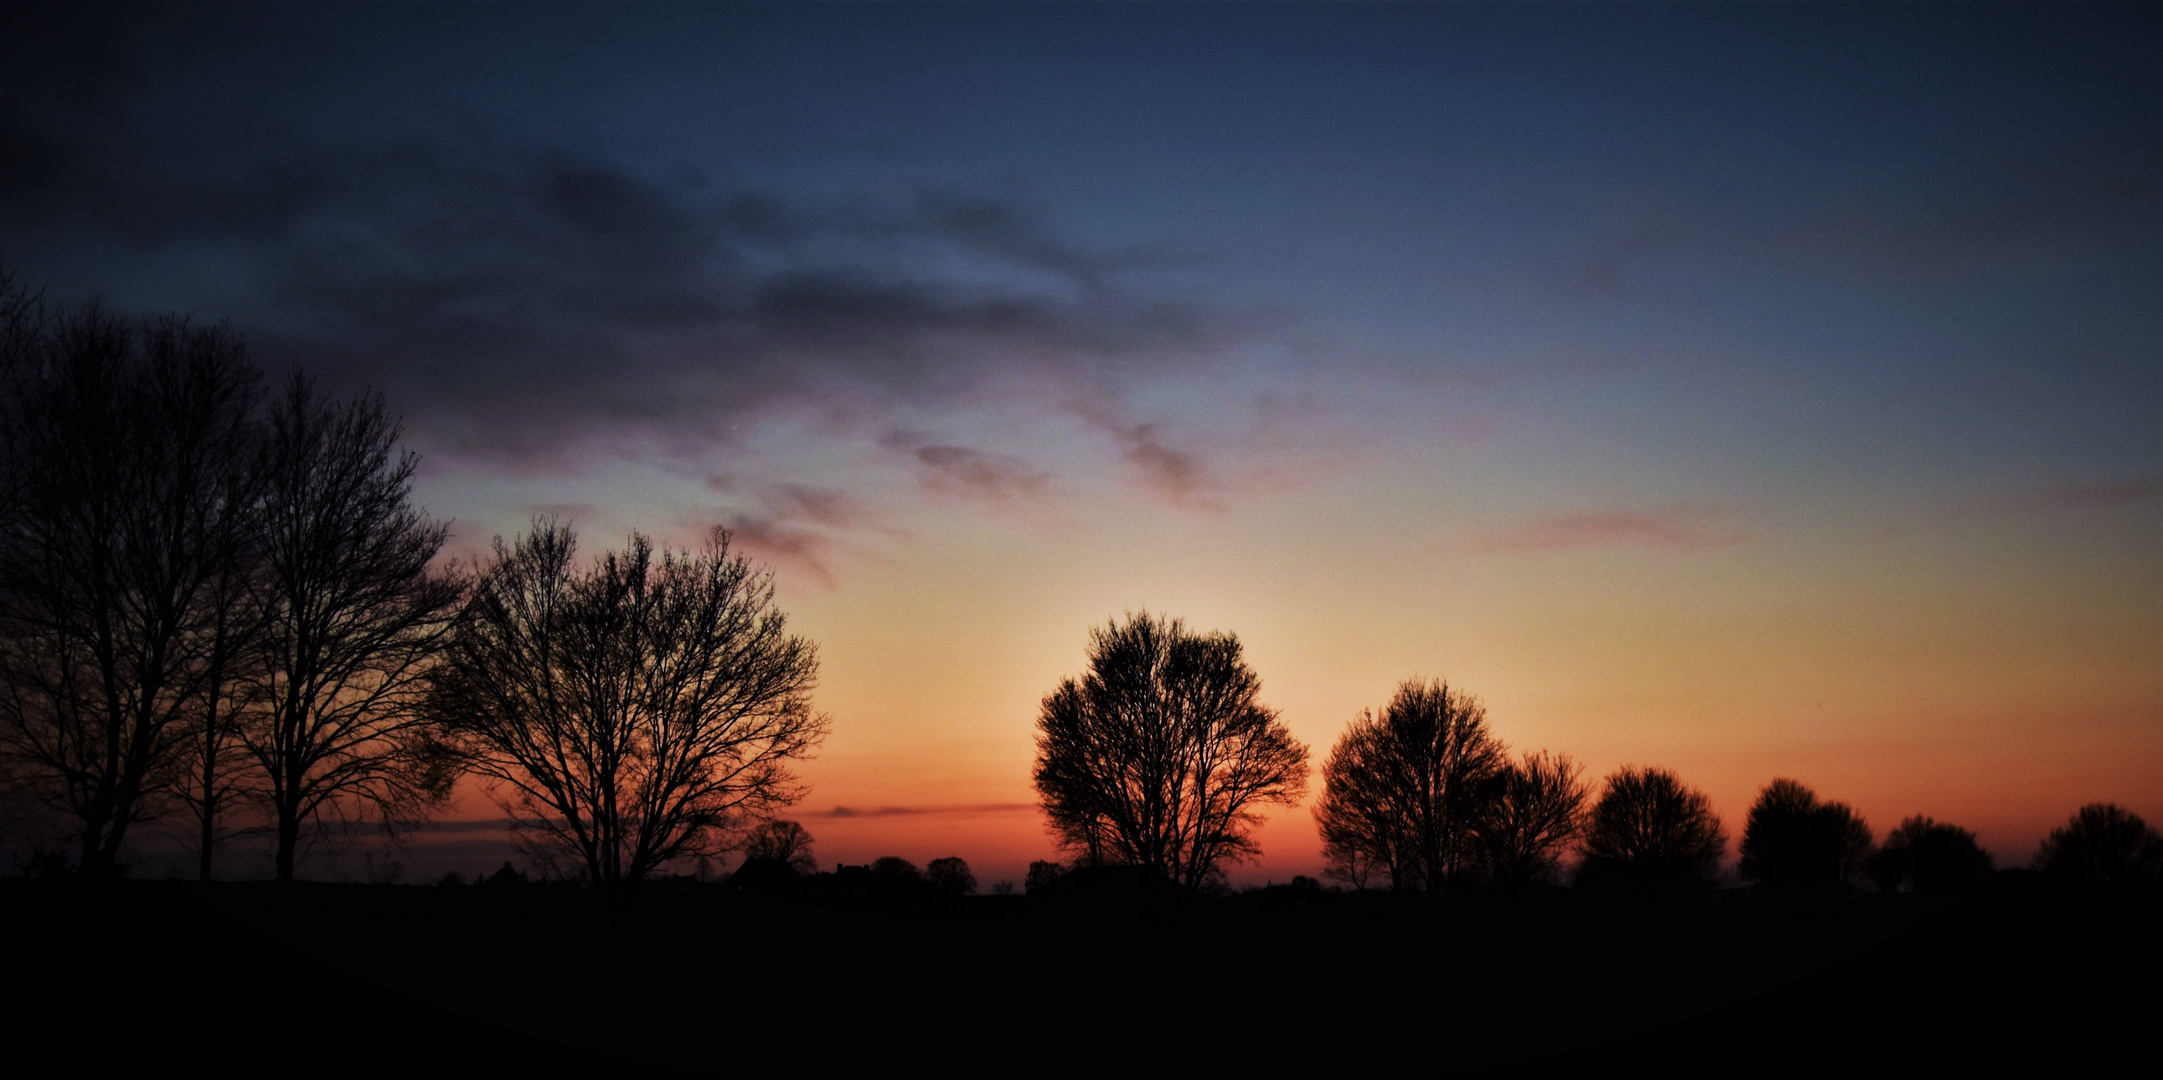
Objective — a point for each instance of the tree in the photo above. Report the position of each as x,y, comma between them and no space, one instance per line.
1403,793
354,620
1161,756
1042,872
1649,826
951,875
128,495
896,867
1929,856
1793,841
2105,844
1535,811
784,842
639,710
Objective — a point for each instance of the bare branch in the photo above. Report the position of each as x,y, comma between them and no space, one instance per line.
1161,756
639,711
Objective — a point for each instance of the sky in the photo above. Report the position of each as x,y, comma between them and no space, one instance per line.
1751,390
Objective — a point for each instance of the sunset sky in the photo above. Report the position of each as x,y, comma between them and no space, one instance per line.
1750,390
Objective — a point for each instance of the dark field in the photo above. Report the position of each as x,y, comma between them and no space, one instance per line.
393,978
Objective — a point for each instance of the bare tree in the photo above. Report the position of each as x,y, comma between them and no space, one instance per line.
1405,792
643,709
784,842
1161,755
1535,811
1648,825
129,487
354,619
1793,841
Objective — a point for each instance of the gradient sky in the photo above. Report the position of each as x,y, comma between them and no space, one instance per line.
1755,391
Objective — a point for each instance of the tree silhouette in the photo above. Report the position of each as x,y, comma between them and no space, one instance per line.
1534,810
2104,844
894,866
1160,756
1929,856
784,842
1793,841
951,875
1403,792
1649,826
1042,872
354,620
643,709
128,500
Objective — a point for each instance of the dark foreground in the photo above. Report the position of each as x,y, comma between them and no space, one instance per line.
394,978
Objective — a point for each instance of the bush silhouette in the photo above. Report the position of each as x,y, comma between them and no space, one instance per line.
951,875
1929,856
2104,844
1793,841
894,866
1043,872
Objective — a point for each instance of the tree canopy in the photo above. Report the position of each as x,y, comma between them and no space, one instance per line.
1404,791
1794,841
1650,826
2104,844
641,709
1161,755
130,474
1928,856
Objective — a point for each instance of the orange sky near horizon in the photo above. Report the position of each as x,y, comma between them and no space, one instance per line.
1935,678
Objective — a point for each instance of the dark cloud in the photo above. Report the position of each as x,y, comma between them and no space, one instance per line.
1013,233
524,303
471,825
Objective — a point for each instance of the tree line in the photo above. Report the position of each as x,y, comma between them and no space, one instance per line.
1161,756
219,603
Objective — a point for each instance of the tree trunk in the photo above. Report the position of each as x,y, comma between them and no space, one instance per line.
288,839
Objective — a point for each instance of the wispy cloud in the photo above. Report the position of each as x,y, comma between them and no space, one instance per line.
2052,500
1177,476
1673,526
966,471
793,523
2101,495
569,512
962,809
